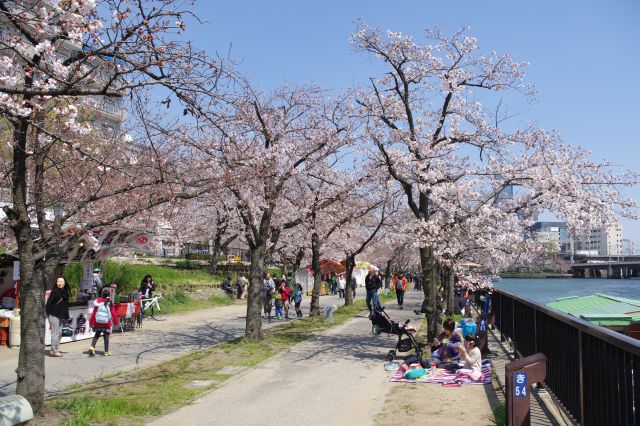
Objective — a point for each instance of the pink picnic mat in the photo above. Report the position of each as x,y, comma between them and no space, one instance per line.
446,377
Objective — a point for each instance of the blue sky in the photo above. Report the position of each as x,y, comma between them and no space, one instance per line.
584,55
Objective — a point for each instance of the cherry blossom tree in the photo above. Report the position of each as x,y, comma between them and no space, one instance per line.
211,217
453,155
267,143
335,199
60,64
366,230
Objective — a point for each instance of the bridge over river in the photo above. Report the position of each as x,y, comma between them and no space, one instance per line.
607,267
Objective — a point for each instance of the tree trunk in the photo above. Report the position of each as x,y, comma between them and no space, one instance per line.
257,271
387,273
440,294
30,371
314,311
350,263
430,288
298,261
449,291
213,265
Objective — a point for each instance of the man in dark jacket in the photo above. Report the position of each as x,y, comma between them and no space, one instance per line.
354,284
372,283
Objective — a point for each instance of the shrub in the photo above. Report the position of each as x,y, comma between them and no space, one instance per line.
184,264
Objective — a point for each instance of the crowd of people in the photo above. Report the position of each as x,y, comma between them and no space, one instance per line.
338,285
280,294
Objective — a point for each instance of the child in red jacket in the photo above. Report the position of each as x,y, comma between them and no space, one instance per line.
103,318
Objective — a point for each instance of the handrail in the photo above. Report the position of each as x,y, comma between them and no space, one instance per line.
624,342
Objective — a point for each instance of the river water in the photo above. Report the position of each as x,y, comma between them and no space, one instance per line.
547,290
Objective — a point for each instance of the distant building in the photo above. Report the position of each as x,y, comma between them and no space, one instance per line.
552,234
605,241
628,247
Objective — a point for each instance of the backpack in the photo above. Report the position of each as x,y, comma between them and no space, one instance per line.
103,314
297,296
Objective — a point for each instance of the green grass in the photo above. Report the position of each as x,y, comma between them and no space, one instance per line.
166,387
129,276
179,287
499,417
179,301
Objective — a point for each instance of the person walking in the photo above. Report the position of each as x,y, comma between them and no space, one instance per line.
377,279
238,288
277,297
334,283
341,286
102,320
96,281
268,287
400,286
354,284
417,282
57,309
371,283
297,300
285,295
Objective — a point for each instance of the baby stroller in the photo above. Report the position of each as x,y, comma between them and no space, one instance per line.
382,323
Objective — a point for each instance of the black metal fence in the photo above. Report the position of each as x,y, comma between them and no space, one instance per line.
594,373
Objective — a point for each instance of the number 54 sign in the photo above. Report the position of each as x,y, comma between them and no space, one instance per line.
520,384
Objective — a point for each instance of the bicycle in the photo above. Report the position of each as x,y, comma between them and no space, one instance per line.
153,307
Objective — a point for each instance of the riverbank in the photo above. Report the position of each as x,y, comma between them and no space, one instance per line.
537,276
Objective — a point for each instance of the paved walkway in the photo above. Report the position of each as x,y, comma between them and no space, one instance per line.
334,378
155,342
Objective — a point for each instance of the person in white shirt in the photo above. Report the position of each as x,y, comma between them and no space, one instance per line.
341,286
472,357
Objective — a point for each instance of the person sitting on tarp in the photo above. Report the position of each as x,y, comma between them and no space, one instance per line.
445,346
472,360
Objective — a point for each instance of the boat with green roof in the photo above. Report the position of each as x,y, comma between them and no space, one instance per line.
616,313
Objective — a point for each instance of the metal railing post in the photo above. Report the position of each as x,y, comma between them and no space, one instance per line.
535,331
581,377
513,328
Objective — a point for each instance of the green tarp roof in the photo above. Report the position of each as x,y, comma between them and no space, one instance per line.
600,309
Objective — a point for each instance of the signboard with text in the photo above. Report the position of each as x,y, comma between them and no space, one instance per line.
520,384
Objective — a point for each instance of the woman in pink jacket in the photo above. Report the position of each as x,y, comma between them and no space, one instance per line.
103,318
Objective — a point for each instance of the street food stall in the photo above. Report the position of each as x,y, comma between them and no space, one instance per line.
94,246
304,276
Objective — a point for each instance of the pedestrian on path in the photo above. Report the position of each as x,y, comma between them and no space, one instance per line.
333,280
341,286
297,300
277,300
354,284
285,295
102,320
269,287
372,283
57,309
400,286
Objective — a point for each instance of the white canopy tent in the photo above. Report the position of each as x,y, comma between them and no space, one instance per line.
305,279
361,270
